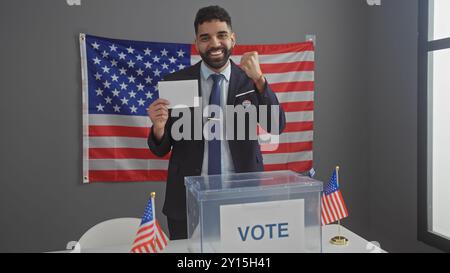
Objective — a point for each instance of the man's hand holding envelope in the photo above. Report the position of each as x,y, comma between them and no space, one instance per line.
172,94
158,113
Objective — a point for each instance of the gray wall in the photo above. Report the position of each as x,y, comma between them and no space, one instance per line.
43,203
392,92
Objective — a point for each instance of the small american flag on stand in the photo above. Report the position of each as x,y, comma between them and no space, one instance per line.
333,206
150,238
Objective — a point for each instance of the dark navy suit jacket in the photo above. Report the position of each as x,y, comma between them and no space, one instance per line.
187,155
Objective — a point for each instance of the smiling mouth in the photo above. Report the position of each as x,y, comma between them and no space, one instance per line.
216,53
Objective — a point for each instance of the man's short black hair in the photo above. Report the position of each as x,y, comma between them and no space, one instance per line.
208,14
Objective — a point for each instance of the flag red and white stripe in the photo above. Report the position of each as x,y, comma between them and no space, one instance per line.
116,149
289,70
333,208
150,238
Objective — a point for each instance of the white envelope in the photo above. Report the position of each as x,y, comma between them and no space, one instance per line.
180,94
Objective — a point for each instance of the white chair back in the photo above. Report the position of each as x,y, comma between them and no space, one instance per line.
114,232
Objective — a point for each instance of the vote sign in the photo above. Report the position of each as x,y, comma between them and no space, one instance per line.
275,226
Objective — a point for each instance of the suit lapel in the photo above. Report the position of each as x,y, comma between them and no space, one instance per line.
235,79
194,73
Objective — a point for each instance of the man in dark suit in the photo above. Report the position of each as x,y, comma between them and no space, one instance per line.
221,83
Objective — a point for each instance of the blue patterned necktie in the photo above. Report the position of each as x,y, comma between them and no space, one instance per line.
214,153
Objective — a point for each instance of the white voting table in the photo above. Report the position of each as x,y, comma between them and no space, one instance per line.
356,244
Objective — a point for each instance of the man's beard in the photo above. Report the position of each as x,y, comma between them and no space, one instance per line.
213,62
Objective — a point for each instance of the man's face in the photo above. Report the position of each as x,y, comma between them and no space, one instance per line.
214,42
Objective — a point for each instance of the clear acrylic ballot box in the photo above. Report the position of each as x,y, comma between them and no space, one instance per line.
253,212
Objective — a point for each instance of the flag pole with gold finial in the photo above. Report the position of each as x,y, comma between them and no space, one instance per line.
339,240
152,196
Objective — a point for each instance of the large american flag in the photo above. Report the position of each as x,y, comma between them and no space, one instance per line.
120,81
150,238
333,206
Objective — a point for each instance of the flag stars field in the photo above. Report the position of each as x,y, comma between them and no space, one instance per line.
106,84
131,79
132,94
157,73
115,93
122,56
140,72
131,64
148,64
100,107
95,45
112,47
180,53
130,50
96,60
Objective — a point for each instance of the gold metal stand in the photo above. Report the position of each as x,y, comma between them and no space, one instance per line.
339,240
